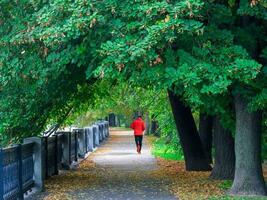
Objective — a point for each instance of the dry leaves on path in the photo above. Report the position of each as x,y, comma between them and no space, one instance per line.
191,185
187,185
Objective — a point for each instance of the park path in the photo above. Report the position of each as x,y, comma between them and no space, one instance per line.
113,172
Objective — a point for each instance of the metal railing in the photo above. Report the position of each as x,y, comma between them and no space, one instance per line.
27,165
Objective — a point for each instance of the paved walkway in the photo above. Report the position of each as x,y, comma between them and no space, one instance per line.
114,172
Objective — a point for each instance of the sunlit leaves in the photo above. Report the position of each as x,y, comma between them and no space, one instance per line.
199,48
244,70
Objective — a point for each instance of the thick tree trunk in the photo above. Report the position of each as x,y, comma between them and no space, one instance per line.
248,171
205,133
224,167
194,154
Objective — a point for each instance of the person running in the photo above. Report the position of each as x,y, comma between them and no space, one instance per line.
138,126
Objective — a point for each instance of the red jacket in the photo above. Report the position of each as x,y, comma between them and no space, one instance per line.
138,126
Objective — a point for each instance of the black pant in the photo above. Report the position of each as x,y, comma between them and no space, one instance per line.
138,140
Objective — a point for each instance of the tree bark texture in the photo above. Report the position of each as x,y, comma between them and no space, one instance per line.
205,133
224,166
194,154
248,171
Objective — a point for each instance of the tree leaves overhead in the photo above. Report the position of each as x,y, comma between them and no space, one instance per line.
203,50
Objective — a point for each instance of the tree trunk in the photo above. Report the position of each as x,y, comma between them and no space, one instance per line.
248,172
119,121
147,122
112,120
205,133
195,158
224,167
135,114
154,127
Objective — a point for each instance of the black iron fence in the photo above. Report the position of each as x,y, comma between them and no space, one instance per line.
27,165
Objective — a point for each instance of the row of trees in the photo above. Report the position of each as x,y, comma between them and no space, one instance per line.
209,56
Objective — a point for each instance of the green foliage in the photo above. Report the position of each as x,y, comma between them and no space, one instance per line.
203,64
167,150
40,79
124,99
56,57
225,185
65,62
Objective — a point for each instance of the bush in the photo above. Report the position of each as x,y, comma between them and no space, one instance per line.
167,150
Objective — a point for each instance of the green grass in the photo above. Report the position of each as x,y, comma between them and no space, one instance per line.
225,185
166,151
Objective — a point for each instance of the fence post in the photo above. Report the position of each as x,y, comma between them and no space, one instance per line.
108,128
105,129
56,154
66,150
100,133
19,155
46,156
39,161
70,143
60,142
85,140
90,138
76,146
82,142
102,130
96,135
1,175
